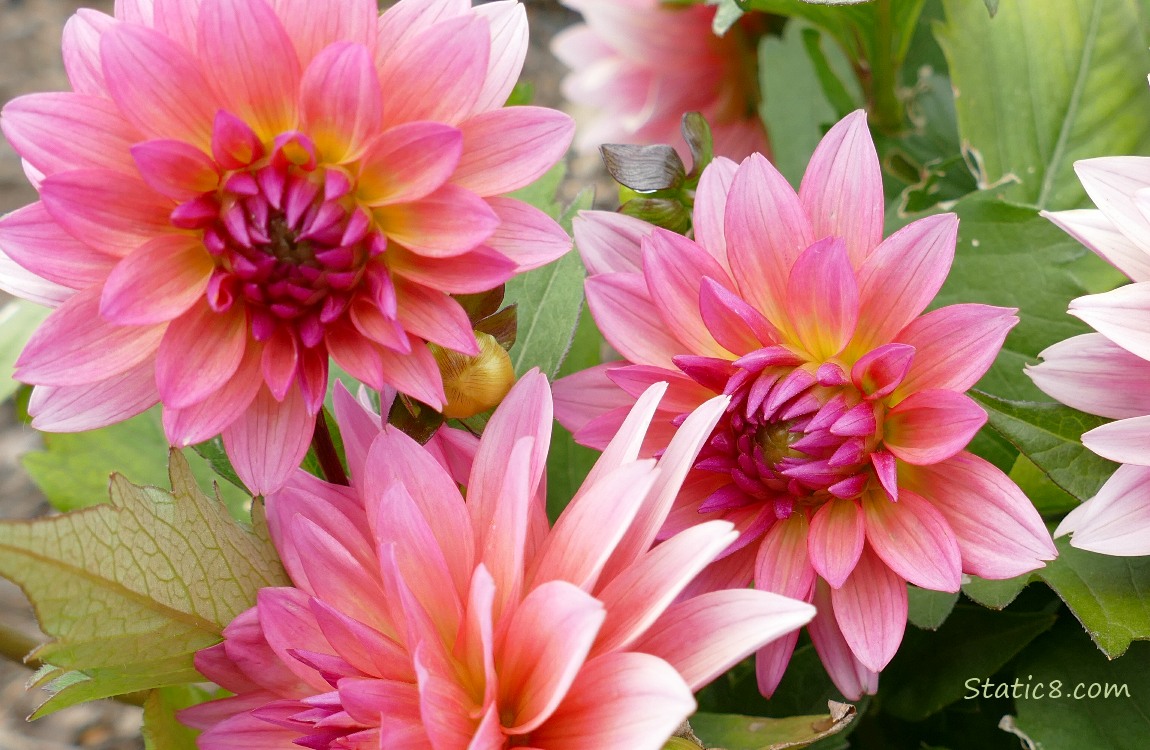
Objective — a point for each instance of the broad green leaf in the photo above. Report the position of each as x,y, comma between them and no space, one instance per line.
18,319
1044,83
73,470
162,730
1100,703
69,688
1008,255
995,594
1049,435
130,590
1110,596
928,609
734,732
930,669
1050,499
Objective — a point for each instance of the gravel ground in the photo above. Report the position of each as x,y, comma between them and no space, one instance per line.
30,62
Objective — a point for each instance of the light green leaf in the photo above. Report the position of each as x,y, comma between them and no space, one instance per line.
69,688
73,470
1049,435
18,319
1048,497
928,609
1047,82
130,590
996,594
1110,596
734,732
162,730
1114,718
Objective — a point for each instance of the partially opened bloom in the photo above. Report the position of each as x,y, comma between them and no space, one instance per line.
1105,373
421,621
638,65
238,189
840,457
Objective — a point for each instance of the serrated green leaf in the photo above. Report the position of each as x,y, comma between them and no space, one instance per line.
1047,82
995,594
130,590
734,732
1049,435
1110,596
73,470
162,730
1050,499
18,319
1114,719
928,610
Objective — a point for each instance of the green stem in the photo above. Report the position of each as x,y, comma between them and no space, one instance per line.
326,453
886,109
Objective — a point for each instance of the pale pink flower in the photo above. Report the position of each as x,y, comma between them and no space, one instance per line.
1105,373
421,621
238,189
638,65
840,458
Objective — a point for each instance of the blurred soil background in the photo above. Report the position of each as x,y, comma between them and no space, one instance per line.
30,62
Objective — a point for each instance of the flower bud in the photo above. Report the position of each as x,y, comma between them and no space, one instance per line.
474,384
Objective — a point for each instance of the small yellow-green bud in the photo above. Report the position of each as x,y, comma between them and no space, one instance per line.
474,384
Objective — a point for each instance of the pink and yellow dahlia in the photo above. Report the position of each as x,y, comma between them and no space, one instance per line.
638,65
840,457
1104,373
237,190
421,621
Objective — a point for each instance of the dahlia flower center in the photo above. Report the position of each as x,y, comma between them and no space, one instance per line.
289,241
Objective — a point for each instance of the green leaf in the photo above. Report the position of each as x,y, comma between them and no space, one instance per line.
1050,499
1115,719
928,609
995,594
18,319
1008,255
1049,435
1110,596
734,732
992,6
162,730
931,669
1047,82
73,470
133,625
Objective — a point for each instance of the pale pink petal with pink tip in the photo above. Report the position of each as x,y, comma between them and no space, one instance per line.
340,101
1113,183
913,539
782,566
674,268
848,674
476,271
507,20
842,187
314,24
506,149
1121,315
135,11
157,283
177,19
57,132
407,19
1093,229
526,235
683,394
446,223
870,609
588,394
932,425
81,51
999,532
711,206
19,282
629,320
1126,441
77,408
954,346
113,212
269,440
408,162
610,242
1093,374
25,232
1116,521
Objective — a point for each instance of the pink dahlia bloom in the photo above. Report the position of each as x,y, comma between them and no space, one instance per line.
638,65
840,457
421,621
238,189
1104,373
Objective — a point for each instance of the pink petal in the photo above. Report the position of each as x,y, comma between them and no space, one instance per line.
913,539
448,222
674,268
683,394
269,440
158,86
436,74
626,700
526,235
26,232
415,374
1126,441
200,351
842,188
1113,183
358,428
176,169
954,346
1120,315
409,162
848,674
704,636
878,372
314,24
435,316
587,394
766,229
81,48
254,67
711,205
135,11
110,211
475,646
629,320
19,282
158,282
547,643
823,298
1000,534
78,408
404,20
211,416
56,132
340,101
365,699
870,609
506,149
771,663
1093,229
473,272
75,346
1090,373
610,242
782,565
836,540
509,37
902,275
931,426
1116,521
287,624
